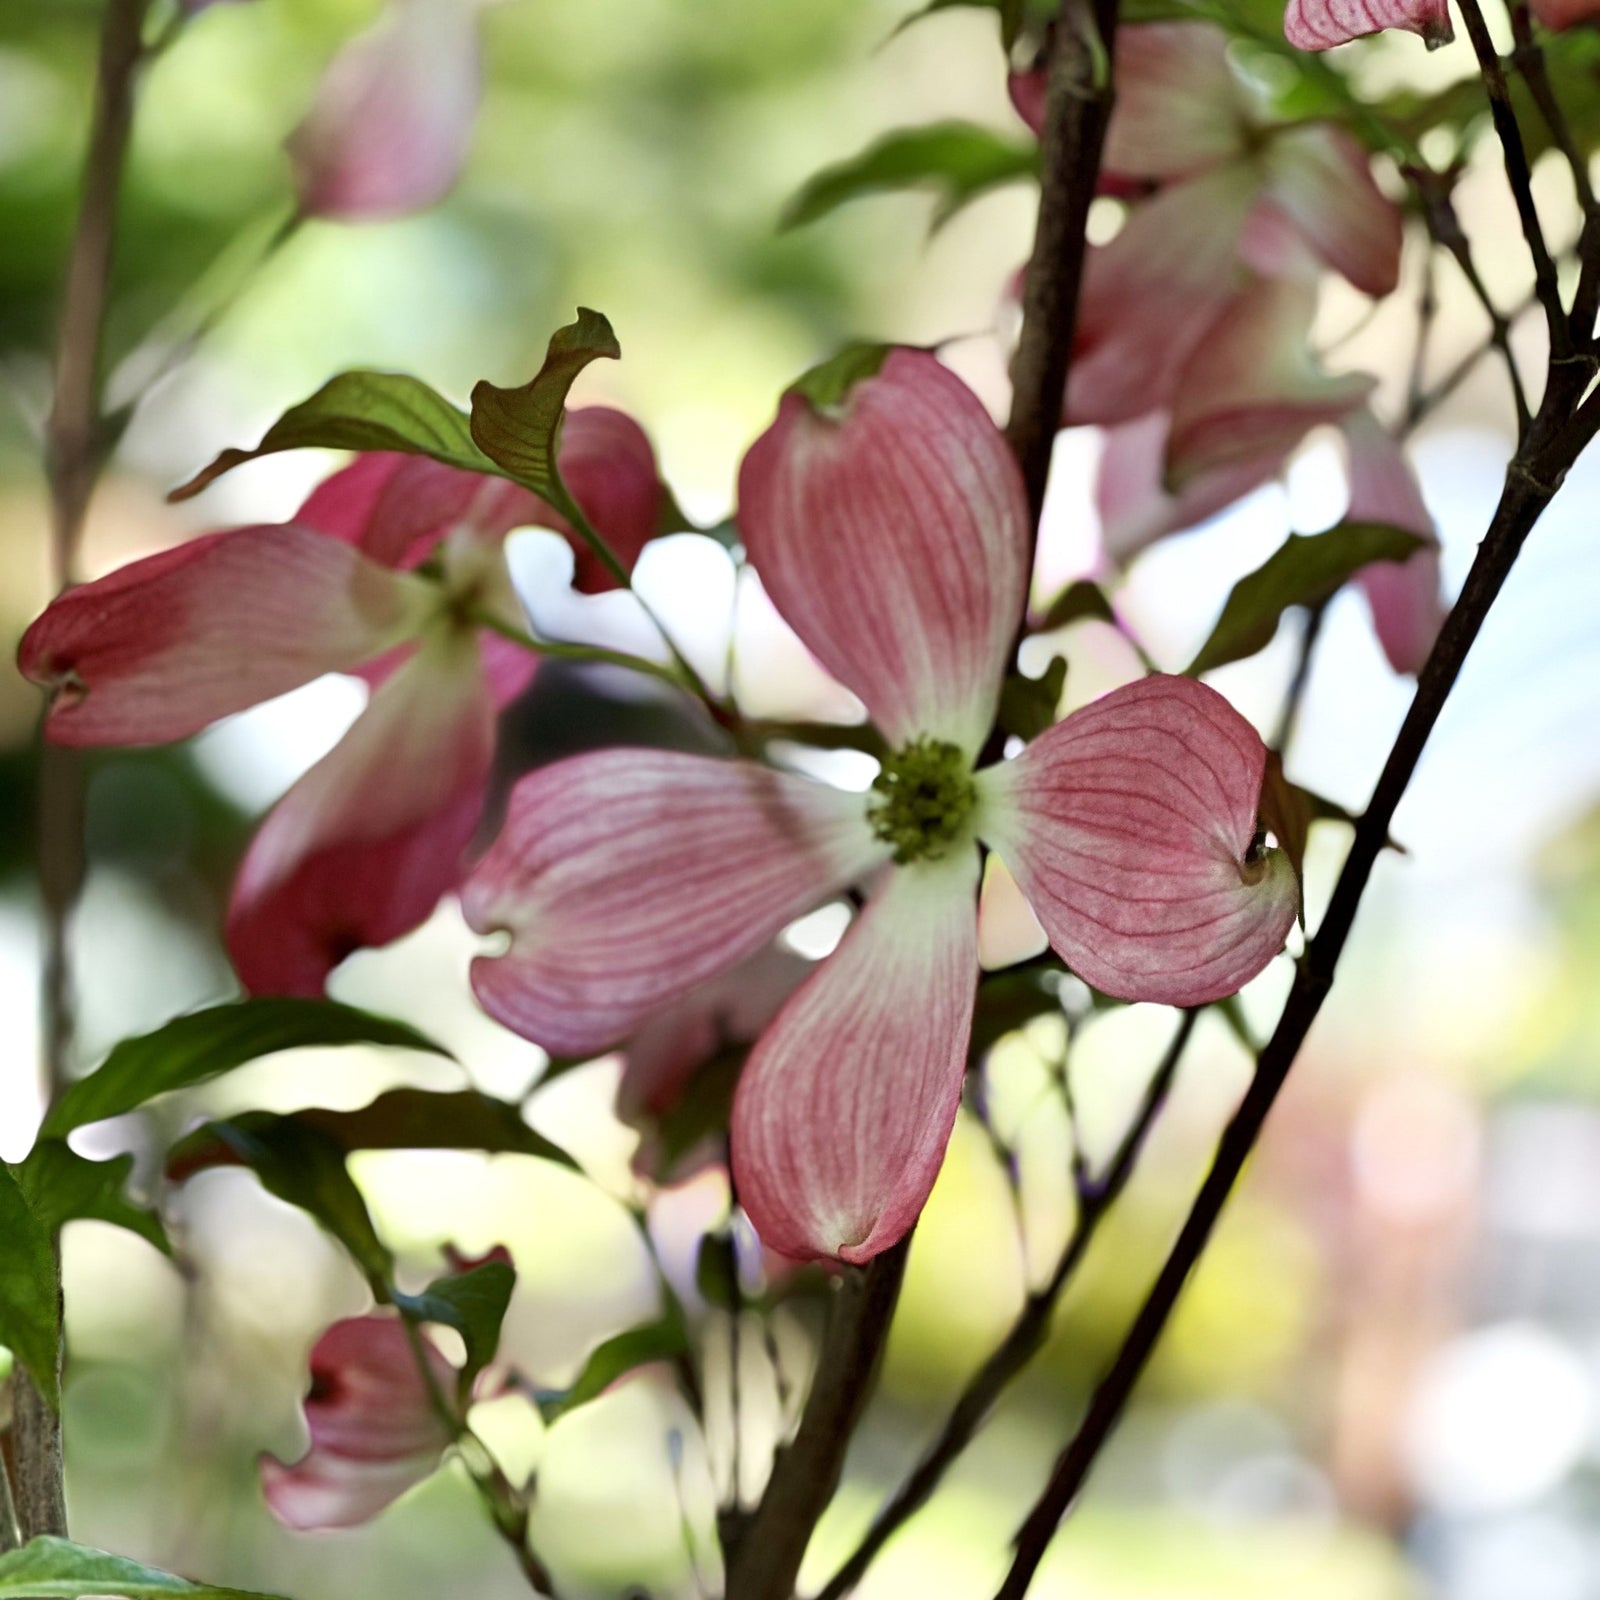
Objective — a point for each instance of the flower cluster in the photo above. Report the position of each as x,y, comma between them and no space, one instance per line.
1193,338
393,569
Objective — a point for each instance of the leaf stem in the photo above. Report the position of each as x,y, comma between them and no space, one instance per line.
688,677
561,650
508,1510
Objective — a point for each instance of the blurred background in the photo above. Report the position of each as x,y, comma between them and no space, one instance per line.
1385,1380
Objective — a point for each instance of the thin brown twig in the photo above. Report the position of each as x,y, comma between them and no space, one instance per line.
1078,100
1427,310
1528,58
73,457
1444,228
1531,481
1024,1338
1519,175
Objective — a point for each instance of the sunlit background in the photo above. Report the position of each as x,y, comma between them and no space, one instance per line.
1385,1380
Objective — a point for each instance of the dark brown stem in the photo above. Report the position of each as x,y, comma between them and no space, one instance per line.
1520,176
73,456
1444,228
1530,62
1301,680
1427,310
1025,1336
1530,483
40,1484
806,1472
1078,97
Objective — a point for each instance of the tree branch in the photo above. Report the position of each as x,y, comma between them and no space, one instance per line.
1520,177
1444,228
1023,1339
1530,483
73,457
1078,99
767,1559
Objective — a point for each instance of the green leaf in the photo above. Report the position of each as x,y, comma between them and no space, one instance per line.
399,1119
1028,705
58,1569
1304,571
474,1303
361,411
958,161
518,428
663,1340
1077,602
700,1113
30,1312
1014,14
828,384
195,1048
305,1167
716,1271
62,1186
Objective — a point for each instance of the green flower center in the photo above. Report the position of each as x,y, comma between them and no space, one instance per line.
922,799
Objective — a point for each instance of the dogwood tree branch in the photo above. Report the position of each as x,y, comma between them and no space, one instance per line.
1078,99
765,1562
1026,1335
1519,175
73,457
1532,478
1444,228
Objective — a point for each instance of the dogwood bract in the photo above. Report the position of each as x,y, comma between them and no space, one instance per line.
375,1431
888,522
360,849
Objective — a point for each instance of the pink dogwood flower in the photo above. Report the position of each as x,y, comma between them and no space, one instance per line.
375,1430
1240,407
388,131
361,849
1235,197
891,531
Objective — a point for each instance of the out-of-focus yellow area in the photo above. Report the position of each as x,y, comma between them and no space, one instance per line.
1384,1381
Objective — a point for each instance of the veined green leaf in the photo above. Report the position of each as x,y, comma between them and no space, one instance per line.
304,1167
63,1187
662,1340
194,1048
474,1303
1078,601
958,161
361,411
30,1316
1304,571
399,1119
518,429
58,1569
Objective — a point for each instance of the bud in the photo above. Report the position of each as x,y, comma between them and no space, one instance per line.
388,130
